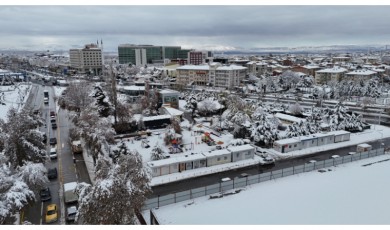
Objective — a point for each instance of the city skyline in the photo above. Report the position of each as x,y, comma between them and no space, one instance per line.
219,28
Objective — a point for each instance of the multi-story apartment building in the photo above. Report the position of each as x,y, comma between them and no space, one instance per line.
228,76
360,74
326,75
191,74
87,60
154,54
213,74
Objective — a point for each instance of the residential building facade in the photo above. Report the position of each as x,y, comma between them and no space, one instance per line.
332,74
213,74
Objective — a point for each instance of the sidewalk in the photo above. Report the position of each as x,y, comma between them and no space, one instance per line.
89,164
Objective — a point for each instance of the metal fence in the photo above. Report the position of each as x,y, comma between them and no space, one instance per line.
222,187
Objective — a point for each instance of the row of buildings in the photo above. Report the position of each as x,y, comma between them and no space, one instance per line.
89,59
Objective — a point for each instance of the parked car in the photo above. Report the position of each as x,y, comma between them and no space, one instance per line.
52,114
45,194
335,156
53,153
51,213
52,173
71,214
44,138
312,161
53,125
53,141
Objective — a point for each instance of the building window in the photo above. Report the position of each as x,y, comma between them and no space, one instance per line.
218,159
225,158
295,145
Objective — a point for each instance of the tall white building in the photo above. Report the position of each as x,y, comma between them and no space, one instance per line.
87,60
140,57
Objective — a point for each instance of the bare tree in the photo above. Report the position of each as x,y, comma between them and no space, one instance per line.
77,96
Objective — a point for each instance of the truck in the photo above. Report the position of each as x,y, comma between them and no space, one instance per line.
46,97
363,148
69,192
46,94
76,147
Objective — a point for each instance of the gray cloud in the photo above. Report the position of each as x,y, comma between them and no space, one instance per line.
192,26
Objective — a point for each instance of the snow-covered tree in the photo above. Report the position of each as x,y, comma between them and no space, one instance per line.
20,138
14,192
157,153
264,131
119,191
102,104
95,130
296,109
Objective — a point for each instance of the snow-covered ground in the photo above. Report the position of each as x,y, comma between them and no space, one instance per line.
348,194
13,96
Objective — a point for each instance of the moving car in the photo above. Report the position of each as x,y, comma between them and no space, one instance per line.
54,125
53,153
52,173
53,141
51,213
52,114
45,194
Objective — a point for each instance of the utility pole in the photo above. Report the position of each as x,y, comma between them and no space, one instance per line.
114,92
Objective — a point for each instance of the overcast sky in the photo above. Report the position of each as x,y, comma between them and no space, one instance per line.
201,27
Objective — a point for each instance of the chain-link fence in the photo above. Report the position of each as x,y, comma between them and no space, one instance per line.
222,187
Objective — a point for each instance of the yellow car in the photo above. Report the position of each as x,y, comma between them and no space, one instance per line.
51,213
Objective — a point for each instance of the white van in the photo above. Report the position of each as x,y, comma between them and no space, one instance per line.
53,153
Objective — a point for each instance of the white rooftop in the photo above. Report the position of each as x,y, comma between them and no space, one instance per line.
194,67
173,111
173,159
339,132
231,67
240,148
332,70
289,117
287,141
362,72
216,153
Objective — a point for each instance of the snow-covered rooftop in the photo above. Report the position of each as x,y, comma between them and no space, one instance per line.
287,141
231,67
173,111
217,152
332,70
362,72
286,117
194,67
173,159
240,148
133,88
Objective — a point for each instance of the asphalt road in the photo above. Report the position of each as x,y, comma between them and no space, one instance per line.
68,169
183,185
